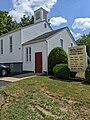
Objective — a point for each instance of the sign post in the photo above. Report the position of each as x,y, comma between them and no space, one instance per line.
77,58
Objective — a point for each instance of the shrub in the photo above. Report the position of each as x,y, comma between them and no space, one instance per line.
87,74
56,56
61,71
88,60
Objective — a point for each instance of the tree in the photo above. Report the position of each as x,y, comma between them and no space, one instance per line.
6,23
25,21
85,40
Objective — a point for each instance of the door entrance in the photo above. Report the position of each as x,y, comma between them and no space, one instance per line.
38,62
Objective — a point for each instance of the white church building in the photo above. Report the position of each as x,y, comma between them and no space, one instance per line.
27,48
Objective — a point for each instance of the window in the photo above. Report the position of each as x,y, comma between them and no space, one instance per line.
28,54
10,44
44,15
71,44
37,15
45,25
1,46
61,41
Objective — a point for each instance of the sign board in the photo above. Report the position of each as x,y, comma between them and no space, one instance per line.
77,58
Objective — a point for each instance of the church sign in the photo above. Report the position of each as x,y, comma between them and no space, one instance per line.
77,58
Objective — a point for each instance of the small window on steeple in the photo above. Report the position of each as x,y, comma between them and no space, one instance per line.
44,15
38,15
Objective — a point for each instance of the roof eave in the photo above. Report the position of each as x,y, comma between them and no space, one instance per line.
41,40
19,29
55,34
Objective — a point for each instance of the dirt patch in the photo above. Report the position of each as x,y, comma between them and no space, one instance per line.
1,100
44,113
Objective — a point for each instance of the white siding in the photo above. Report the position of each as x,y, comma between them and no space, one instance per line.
19,37
54,41
16,55
34,31
37,47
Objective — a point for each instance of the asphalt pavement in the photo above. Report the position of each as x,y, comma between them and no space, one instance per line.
3,83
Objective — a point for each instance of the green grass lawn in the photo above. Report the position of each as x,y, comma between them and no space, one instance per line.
45,98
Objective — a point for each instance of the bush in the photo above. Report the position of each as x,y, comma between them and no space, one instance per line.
56,56
88,60
87,74
61,71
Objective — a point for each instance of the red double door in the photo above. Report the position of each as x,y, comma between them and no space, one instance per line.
38,62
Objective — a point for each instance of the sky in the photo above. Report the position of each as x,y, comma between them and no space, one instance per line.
72,13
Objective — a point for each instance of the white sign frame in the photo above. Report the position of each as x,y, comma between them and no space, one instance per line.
77,58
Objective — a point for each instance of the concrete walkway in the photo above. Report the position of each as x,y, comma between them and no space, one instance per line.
6,80
18,77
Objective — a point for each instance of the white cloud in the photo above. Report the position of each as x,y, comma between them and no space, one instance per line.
81,23
27,7
77,35
56,21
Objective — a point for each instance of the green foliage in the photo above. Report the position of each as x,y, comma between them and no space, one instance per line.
61,71
6,23
87,74
80,74
25,21
88,60
56,56
85,40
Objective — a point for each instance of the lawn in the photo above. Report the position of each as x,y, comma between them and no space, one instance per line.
45,98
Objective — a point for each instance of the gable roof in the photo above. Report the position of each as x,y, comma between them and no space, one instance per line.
21,28
44,36
41,8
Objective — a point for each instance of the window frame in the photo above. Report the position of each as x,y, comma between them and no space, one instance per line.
44,15
28,54
38,15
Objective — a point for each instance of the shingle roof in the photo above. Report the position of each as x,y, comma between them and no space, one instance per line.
44,36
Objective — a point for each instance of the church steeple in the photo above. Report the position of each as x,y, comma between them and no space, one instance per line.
40,15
